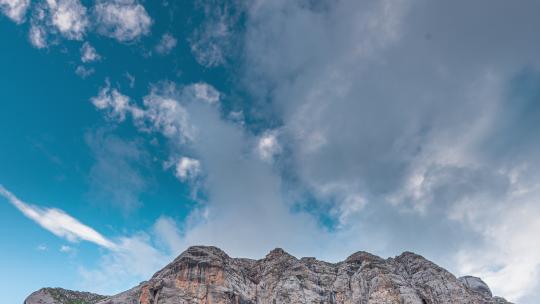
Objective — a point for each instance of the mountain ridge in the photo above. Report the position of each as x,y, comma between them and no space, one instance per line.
206,274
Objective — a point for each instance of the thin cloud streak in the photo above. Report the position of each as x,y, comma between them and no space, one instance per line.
58,222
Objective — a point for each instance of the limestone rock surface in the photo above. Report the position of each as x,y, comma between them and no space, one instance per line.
207,275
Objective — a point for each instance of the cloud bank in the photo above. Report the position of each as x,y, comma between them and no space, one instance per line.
391,119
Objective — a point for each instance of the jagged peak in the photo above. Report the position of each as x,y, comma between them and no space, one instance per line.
277,253
193,255
361,256
204,250
201,271
408,255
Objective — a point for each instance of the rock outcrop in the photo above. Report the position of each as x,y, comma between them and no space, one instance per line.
62,296
208,275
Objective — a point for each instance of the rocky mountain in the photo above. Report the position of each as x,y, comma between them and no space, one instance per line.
208,275
63,296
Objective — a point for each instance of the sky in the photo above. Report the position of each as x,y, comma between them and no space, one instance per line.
133,129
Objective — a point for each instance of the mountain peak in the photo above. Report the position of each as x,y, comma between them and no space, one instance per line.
206,274
62,296
277,253
361,256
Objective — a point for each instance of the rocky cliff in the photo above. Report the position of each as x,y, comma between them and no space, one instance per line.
208,275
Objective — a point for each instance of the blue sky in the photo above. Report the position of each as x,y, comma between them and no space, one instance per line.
134,129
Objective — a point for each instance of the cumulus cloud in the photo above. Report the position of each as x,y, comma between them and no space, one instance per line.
268,146
83,71
15,9
123,20
163,109
390,106
69,17
115,103
58,222
166,44
393,118
238,184
164,113
205,93
187,168
37,36
89,53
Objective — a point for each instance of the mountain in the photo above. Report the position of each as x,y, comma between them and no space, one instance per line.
208,275
63,296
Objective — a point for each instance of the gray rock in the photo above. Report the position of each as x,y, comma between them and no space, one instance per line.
476,284
208,275
62,296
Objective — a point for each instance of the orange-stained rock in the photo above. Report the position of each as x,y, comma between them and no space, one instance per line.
207,275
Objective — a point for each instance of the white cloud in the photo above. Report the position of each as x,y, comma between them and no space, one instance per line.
238,184
66,249
89,53
115,103
124,20
268,146
205,92
166,44
83,71
69,18
384,152
507,258
127,261
37,36
389,148
160,112
166,114
58,222
15,9
42,247
187,168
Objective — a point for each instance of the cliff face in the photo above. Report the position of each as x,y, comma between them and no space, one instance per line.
208,275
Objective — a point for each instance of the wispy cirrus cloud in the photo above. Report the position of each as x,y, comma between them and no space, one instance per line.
58,222
212,41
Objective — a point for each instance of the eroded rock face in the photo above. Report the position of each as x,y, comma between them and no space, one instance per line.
207,275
